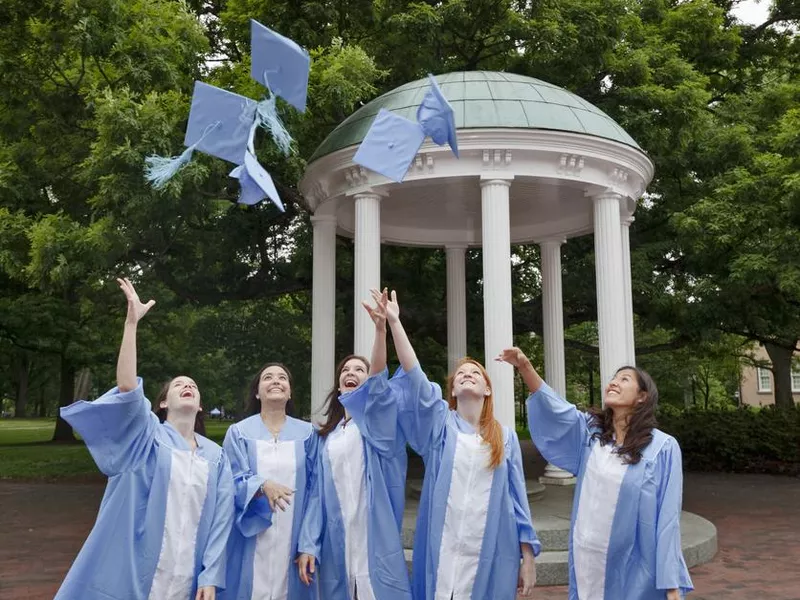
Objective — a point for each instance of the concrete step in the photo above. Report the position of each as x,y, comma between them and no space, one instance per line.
551,516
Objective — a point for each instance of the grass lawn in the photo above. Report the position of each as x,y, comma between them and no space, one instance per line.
26,452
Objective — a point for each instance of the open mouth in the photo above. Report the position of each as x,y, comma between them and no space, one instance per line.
187,394
274,388
350,384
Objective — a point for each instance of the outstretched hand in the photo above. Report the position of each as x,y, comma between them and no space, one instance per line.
136,310
513,356
392,308
378,312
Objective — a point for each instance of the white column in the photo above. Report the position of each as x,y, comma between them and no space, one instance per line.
323,311
456,305
553,316
497,318
630,343
367,267
610,285
553,325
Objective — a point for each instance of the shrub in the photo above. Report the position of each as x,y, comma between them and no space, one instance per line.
754,440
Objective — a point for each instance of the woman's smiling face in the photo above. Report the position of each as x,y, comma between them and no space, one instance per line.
352,375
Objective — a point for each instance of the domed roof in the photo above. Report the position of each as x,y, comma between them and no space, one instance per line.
485,99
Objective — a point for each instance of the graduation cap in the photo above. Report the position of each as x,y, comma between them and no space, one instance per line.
393,141
223,124
279,64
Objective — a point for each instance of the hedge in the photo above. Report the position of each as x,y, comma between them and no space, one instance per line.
745,440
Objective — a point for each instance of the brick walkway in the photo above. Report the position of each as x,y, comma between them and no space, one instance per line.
42,527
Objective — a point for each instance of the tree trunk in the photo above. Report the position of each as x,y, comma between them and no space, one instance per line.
66,394
41,405
23,372
781,358
83,384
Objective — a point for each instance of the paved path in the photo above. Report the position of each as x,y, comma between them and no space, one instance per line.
42,527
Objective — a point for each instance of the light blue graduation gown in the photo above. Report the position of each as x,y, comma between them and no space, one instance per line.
136,452
253,512
644,549
373,408
432,431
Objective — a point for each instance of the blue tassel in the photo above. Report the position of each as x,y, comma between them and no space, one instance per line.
160,170
267,117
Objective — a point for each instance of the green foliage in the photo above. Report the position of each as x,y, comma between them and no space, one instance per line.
88,90
765,440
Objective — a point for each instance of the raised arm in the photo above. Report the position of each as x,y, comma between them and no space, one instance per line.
126,362
118,427
402,345
558,429
377,313
518,359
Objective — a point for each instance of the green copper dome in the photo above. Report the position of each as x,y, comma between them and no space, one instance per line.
485,99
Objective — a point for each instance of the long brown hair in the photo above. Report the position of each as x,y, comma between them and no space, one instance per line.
334,411
490,428
641,422
161,413
252,401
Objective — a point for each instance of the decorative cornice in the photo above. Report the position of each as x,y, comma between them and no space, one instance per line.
571,165
496,159
356,176
423,163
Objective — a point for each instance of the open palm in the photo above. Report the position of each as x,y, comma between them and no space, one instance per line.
392,308
136,309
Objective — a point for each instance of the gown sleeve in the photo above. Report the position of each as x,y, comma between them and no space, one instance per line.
519,495
253,512
215,554
310,538
558,429
423,412
671,571
119,428
373,408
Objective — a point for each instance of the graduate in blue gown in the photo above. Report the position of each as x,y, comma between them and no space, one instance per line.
352,526
625,537
474,538
272,456
168,507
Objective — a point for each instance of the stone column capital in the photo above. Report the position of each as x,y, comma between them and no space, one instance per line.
553,241
323,219
496,179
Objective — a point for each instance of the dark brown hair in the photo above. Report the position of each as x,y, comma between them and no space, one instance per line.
491,431
253,403
641,422
334,411
161,413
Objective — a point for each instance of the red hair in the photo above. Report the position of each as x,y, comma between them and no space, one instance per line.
490,428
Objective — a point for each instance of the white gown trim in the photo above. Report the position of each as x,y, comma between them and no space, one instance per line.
186,494
276,462
596,508
346,455
465,518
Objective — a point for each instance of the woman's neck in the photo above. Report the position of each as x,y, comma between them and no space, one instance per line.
470,408
274,417
621,424
184,425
